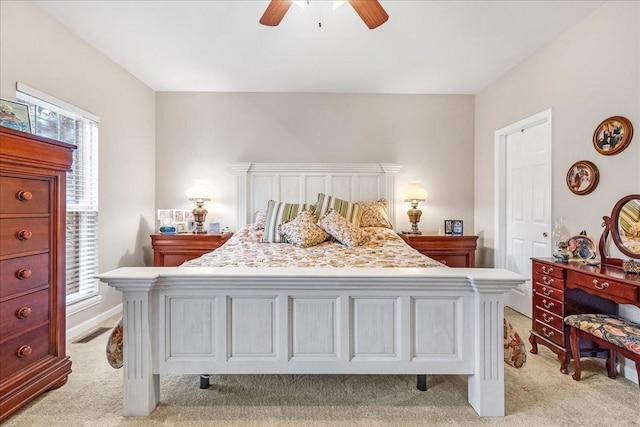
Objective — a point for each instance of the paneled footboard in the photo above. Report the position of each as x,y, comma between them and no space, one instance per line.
312,321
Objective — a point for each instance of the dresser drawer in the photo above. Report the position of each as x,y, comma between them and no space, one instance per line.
449,260
548,332
23,351
549,304
548,270
23,274
22,195
20,235
548,291
22,313
551,319
549,281
605,287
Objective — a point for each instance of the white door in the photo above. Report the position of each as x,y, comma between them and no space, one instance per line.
525,196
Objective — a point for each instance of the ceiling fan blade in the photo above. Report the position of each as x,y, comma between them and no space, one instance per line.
370,11
275,12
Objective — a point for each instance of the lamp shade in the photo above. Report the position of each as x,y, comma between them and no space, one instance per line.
414,192
200,191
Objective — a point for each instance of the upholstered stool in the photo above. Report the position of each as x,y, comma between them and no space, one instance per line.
614,333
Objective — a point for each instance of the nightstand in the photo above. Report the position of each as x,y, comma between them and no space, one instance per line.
170,250
453,251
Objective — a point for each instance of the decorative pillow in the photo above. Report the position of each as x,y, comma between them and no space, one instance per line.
342,230
279,213
351,211
303,231
515,351
114,347
260,220
374,214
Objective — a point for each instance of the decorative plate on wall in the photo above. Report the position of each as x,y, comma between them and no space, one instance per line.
612,135
583,177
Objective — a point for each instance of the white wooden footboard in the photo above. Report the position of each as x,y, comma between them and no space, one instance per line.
188,320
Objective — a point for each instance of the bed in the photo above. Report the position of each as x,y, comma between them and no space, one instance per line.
215,315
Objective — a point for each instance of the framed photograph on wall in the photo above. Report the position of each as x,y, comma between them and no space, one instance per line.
15,115
448,226
583,177
612,135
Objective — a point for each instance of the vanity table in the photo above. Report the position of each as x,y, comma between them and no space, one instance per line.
561,289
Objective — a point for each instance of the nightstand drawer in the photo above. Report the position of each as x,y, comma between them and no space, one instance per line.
449,260
22,195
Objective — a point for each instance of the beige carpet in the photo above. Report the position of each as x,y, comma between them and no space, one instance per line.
536,395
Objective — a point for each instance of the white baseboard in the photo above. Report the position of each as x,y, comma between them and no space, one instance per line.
81,329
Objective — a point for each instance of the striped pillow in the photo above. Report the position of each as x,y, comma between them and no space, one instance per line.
279,213
351,211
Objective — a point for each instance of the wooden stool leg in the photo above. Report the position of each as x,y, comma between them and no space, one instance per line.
611,363
421,383
575,350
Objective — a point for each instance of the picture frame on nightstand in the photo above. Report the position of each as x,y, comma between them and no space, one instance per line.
457,227
448,226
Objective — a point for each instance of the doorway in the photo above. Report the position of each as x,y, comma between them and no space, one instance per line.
523,200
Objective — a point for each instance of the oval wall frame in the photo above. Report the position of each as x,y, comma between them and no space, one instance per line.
583,177
612,135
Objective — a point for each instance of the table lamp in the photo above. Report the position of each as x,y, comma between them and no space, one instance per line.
414,194
199,193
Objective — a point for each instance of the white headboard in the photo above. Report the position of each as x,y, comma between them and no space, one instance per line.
301,182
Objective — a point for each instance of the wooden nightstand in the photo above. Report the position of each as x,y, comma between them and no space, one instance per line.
453,251
170,250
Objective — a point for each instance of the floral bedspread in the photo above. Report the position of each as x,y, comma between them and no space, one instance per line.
244,249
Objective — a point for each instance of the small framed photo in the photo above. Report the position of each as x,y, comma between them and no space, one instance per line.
182,227
612,135
165,216
457,227
583,177
15,115
179,215
448,226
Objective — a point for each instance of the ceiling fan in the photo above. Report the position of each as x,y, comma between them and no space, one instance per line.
370,11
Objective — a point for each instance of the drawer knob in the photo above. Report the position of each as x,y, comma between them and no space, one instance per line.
23,313
547,281
23,273
443,261
547,304
24,351
24,196
599,286
548,334
546,291
24,234
546,318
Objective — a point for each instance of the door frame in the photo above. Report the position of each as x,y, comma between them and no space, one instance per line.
500,162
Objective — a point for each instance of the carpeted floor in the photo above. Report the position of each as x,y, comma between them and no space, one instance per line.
536,395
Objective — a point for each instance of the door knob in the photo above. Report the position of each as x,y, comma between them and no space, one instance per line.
545,234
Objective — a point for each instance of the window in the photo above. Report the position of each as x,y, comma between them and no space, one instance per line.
56,119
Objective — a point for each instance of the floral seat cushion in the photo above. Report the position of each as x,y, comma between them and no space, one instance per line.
616,330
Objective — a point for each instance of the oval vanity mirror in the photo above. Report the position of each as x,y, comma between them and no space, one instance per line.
625,225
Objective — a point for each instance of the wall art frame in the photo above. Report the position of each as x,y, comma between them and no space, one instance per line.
583,177
612,135
15,115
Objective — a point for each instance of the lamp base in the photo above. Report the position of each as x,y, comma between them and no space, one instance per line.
413,233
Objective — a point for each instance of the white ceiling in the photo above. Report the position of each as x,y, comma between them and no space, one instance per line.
432,47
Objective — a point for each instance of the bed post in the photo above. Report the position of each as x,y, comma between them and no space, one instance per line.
390,171
241,170
486,386
141,385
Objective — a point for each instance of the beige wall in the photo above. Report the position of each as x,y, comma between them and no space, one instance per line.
40,52
199,134
586,75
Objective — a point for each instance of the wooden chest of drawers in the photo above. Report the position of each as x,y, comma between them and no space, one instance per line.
32,267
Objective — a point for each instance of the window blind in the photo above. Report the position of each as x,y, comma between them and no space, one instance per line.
56,119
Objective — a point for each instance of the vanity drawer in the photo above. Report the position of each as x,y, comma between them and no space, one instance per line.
548,270
551,319
23,274
548,291
22,195
549,304
549,281
23,351
605,286
23,313
19,235
548,332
